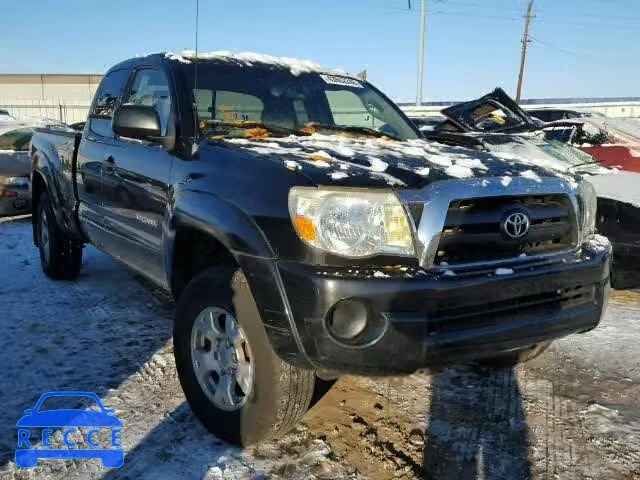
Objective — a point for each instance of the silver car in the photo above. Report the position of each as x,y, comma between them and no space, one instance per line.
15,168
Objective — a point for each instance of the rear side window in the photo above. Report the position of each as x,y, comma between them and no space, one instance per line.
150,88
228,106
348,109
111,89
17,140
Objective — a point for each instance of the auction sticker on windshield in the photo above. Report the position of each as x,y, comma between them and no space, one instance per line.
48,428
344,81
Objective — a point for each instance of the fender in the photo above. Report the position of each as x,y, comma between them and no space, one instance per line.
216,217
239,234
53,164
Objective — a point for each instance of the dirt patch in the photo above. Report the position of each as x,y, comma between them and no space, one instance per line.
368,431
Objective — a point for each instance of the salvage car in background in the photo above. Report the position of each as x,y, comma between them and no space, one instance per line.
15,164
614,142
553,114
5,116
496,123
15,168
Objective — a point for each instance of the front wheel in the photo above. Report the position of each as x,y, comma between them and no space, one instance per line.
60,256
233,380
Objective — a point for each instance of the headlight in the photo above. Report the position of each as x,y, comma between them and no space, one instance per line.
588,201
351,223
14,181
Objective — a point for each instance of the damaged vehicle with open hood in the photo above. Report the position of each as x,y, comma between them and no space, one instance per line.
307,231
497,124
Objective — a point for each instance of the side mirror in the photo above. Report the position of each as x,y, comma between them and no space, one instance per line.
29,411
137,121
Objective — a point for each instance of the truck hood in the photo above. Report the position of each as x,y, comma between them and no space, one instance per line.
365,162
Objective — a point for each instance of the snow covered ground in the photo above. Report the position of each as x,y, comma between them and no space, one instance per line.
573,413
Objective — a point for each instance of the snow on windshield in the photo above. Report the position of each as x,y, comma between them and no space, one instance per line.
294,65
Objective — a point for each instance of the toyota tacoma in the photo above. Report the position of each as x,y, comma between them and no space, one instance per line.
307,231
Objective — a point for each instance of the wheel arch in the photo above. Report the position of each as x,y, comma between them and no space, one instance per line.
221,235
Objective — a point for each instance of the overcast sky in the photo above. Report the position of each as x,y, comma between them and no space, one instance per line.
580,48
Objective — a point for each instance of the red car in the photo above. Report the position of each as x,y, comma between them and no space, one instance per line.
613,142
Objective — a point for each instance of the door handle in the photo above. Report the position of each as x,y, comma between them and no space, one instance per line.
109,163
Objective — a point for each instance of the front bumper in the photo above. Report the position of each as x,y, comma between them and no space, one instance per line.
432,319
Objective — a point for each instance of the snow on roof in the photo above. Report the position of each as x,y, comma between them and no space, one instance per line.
294,65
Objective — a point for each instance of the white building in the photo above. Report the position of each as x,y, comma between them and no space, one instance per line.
65,97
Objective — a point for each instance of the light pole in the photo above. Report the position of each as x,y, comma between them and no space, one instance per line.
423,21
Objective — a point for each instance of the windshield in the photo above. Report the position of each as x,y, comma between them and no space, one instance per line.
230,99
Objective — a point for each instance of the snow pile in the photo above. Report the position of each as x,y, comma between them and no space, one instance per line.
339,175
459,171
597,243
530,174
504,271
294,65
377,165
379,274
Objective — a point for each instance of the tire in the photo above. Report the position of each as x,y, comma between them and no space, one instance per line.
60,257
278,394
511,359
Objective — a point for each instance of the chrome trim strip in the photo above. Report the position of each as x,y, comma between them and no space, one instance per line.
437,196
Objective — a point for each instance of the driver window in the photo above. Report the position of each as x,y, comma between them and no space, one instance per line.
348,109
151,88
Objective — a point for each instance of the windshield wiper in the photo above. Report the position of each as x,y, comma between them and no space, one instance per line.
592,162
353,129
245,125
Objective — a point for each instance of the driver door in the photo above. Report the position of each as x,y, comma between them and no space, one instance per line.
135,180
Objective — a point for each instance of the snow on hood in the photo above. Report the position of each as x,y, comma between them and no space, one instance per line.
410,163
294,65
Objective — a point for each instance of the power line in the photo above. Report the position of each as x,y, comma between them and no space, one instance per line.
581,56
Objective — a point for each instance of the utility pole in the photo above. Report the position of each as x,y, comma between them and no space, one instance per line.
525,44
423,21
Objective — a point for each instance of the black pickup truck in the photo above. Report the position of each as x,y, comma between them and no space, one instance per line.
306,231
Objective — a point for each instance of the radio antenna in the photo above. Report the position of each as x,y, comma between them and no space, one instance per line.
194,93
195,69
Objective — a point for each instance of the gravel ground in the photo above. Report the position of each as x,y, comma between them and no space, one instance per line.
573,413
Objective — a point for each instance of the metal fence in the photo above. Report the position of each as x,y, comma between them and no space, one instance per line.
65,111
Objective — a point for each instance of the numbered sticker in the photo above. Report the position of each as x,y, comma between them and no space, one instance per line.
344,81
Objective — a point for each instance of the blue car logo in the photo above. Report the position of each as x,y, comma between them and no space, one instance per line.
67,419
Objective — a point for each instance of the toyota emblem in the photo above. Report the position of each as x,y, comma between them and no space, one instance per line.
516,225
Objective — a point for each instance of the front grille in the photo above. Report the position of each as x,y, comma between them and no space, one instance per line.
473,228
451,318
